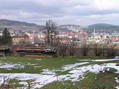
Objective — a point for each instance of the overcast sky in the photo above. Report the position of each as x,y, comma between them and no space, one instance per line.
81,12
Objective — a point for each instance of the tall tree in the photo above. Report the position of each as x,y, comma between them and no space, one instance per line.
51,32
6,38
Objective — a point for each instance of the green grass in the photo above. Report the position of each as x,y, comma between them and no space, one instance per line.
60,85
105,80
33,65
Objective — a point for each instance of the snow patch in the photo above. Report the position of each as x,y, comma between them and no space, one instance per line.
48,72
10,66
100,60
38,59
67,67
117,87
76,73
39,78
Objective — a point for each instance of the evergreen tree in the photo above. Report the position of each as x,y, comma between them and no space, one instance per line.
6,38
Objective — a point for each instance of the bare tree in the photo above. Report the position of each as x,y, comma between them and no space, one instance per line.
51,32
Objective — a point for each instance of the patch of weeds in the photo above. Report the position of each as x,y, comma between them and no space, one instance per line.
60,85
105,79
11,84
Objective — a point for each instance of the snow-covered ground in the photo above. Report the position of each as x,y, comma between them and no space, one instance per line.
77,73
101,60
117,87
47,76
10,66
39,78
67,67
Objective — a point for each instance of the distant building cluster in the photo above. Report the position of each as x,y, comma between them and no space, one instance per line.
76,35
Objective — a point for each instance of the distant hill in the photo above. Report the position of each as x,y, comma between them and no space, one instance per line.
104,27
24,26
17,25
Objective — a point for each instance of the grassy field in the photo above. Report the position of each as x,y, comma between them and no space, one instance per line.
35,65
62,67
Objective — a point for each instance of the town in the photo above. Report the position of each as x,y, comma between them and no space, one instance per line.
51,41
75,34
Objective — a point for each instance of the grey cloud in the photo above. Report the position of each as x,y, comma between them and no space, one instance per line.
39,10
